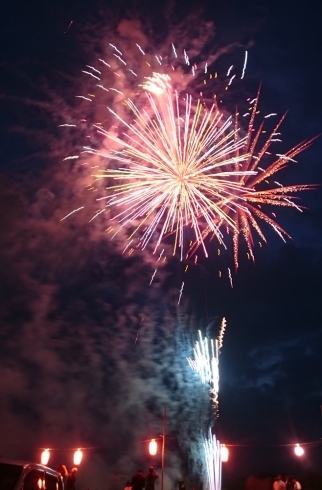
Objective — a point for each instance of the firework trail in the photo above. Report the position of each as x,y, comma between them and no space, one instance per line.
221,334
212,449
206,362
180,293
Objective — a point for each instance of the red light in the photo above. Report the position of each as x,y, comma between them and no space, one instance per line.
78,457
299,451
153,447
224,453
45,456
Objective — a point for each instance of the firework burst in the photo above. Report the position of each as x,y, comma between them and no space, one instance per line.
249,215
181,163
180,167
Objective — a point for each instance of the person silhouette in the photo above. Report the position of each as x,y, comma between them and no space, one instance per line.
150,479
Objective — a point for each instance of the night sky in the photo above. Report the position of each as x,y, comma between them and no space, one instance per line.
90,354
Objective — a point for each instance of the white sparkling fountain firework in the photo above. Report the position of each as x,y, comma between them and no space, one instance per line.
212,449
206,364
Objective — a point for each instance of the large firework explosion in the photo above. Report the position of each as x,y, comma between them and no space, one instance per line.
178,168
176,165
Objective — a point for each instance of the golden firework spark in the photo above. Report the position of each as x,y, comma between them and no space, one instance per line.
181,160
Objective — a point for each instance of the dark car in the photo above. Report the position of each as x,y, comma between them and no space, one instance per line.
19,475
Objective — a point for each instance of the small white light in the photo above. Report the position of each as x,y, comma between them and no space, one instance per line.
153,447
45,456
224,453
299,451
78,457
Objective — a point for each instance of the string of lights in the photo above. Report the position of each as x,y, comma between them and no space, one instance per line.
289,444
298,449
85,448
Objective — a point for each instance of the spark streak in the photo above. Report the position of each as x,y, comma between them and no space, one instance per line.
140,49
180,294
72,212
91,74
230,278
104,62
153,275
72,157
245,63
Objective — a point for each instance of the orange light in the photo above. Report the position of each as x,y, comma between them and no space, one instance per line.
299,451
153,447
45,456
78,457
224,453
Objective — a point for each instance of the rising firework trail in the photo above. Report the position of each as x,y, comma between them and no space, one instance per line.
206,362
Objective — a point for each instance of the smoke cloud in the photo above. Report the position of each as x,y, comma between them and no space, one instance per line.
90,354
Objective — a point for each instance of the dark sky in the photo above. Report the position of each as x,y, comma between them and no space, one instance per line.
89,353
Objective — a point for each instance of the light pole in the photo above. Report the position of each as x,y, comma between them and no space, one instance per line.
163,446
153,446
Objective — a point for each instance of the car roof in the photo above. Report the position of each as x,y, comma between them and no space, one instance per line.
26,464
